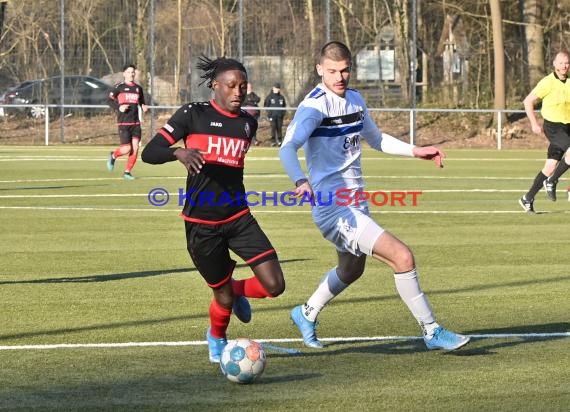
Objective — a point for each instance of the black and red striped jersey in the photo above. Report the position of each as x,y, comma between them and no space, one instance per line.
216,194
127,93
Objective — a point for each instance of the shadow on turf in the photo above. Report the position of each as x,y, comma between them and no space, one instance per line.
45,187
113,277
479,287
104,326
119,276
266,380
384,348
101,278
504,342
476,347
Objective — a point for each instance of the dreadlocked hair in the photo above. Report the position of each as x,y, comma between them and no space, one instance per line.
212,68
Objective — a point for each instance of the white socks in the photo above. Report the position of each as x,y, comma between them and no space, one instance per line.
409,289
407,285
329,287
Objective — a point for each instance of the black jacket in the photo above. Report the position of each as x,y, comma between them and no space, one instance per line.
275,100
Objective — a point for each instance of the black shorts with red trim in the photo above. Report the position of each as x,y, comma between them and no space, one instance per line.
130,132
209,247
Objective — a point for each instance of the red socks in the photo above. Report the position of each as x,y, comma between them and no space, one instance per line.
220,316
117,153
250,288
219,319
131,161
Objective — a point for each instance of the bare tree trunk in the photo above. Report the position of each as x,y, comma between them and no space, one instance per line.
141,35
341,4
402,24
534,35
85,28
178,63
222,28
498,54
312,31
422,36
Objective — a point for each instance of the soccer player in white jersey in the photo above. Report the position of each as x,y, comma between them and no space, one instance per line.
329,124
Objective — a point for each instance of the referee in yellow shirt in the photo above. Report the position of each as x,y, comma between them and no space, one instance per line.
554,92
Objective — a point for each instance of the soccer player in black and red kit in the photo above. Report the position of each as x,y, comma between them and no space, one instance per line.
125,99
216,136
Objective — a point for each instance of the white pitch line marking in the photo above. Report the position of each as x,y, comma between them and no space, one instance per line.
259,211
267,176
87,179
91,209
173,193
56,157
284,340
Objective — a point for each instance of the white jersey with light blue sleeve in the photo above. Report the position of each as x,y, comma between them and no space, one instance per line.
329,128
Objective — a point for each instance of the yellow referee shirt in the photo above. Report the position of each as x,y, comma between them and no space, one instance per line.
555,96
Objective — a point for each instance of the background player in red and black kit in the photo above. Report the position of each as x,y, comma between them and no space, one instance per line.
125,99
217,135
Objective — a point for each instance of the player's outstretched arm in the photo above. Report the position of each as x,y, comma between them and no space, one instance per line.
429,153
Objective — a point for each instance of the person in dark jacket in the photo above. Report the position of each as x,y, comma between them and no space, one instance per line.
276,99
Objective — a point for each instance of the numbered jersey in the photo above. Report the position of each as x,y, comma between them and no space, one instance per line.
216,193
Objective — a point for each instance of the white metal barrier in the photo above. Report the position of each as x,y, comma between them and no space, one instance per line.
411,115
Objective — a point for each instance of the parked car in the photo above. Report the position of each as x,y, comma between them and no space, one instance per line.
81,90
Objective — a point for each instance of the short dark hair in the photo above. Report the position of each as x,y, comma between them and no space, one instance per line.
212,68
126,66
335,51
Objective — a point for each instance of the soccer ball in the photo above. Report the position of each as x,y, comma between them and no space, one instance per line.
243,360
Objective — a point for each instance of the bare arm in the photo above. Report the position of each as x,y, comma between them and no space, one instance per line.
529,103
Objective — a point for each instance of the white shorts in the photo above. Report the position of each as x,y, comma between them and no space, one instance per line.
351,229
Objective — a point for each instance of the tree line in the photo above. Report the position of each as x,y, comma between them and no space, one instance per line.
469,53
